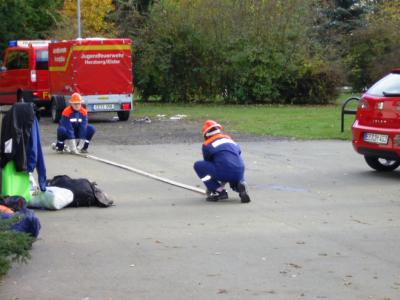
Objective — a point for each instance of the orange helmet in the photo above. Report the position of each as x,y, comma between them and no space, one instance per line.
208,125
75,98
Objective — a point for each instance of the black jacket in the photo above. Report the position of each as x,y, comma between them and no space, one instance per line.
15,133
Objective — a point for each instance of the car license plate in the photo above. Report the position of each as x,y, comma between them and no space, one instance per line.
376,138
103,107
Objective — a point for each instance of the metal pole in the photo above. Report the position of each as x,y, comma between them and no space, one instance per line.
143,173
78,6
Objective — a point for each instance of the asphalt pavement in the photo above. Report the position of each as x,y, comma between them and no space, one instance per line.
321,225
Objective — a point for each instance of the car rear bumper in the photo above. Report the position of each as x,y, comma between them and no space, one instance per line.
108,103
391,150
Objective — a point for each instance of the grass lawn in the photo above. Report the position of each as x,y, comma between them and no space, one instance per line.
302,122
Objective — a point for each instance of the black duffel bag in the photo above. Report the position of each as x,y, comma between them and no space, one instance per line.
86,193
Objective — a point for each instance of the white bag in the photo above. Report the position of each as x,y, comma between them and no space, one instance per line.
53,198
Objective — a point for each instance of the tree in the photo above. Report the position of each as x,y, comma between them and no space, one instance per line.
130,16
345,15
27,19
94,19
373,50
338,18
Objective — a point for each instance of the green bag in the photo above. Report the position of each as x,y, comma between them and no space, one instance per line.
15,183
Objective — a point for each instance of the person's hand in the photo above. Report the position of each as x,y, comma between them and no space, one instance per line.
35,192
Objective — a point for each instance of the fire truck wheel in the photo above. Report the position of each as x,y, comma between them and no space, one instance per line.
56,108
19,97
38,114
123,115
381,164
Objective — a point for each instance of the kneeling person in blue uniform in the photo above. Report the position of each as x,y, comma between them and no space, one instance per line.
73,126
222,164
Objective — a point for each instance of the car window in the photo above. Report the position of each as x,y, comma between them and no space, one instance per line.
17,60
389,84
42,60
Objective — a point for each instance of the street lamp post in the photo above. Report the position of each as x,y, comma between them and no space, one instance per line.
78,6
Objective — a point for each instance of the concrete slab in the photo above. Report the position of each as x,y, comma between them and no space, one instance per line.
321,225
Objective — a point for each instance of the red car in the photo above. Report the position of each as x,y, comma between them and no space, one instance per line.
376,130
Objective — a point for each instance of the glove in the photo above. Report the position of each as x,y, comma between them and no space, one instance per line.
34,188
71,145
79,144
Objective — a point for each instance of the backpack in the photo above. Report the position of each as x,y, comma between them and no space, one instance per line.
16,203
86,193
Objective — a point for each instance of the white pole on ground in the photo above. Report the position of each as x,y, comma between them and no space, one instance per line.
146,174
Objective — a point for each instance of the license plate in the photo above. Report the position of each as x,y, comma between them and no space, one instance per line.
376,138
103,107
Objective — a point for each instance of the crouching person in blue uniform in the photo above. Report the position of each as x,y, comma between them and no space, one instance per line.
222,164
74,126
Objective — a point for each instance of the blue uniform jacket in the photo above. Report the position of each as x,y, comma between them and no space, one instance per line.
34,155
224,152
75,122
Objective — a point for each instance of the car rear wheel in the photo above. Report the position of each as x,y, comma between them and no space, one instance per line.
381,164
123,115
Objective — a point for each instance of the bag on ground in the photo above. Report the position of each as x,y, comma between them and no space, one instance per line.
54,198
15,203
86,193
26,221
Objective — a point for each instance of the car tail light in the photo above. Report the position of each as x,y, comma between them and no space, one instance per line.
33,75
126,106
36,94
363,104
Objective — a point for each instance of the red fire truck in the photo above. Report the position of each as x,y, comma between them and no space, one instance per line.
24,73
48,73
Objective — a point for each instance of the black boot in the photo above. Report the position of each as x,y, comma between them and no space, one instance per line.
59,146
216,196
85,147
234,186
242,189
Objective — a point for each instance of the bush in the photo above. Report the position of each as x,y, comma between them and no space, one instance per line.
14,246
230,51
315,83
255,75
